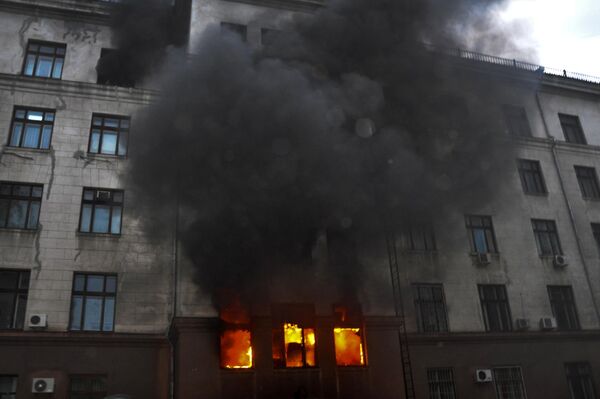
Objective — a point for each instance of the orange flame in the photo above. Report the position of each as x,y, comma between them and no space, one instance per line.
348,347
236,349
299,345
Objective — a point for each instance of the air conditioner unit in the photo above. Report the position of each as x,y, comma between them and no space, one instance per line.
42,385
483,259
548,323
522,324
561,261
483,375
38,320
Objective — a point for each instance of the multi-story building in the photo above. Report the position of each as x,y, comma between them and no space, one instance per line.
495,302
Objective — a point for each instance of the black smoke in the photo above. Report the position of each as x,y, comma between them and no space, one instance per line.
343,125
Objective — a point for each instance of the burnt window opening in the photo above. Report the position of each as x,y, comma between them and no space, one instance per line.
93,302
235,337
588,182
87,386
294,336
563,307
509,383
418,238
481,234
579,378
546,237
495,308
101,211
14,287
109,135
239,30
348,336
8,386
441,383
31,128
431,308
572,130
532,179
44,59
111,70
516,121
20,205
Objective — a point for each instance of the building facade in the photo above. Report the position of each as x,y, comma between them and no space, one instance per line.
496,302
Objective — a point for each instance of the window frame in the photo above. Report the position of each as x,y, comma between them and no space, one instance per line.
435,304
84,294
111,205
489,233
588,375
302,315
94,395
30,199
17,292
533,169
587,178
438,383
569,306
37,53
516,120
572,121
521,382
550,232
503,309
43,123
119,131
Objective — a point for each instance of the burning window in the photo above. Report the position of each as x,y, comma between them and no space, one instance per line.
294,338
348,337
236,338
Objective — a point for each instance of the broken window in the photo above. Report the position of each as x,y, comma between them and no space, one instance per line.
418,237
579,377
93,302
14,287
431,308
109,135
563,307
31,128
441,383
294,339
532,179
20,205
481,234
571,127
509,383
516,121
238,30
87,386
348,336
101,211
546,237
495,308
236,337
44,59
588,182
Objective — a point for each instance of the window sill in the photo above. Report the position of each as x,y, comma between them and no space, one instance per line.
40,77
92,155
25,149
14,230
539,195
97,235
418,251
495,255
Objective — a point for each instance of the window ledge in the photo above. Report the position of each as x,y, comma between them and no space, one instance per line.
495,255
92,155
542,195
98,235
25,149
42,78
14,230
418,252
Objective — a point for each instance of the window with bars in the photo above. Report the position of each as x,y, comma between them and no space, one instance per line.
236,29
8,386
93,302
31,128
571,127
87,386
430,307
419,237
101,211
14,287
509,383
20,205
109,135
588,182
579,378
481,234
563,307
546,237
441,383
44,59
495,307
516,121
532,179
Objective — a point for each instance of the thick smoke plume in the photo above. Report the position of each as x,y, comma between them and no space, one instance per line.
343,123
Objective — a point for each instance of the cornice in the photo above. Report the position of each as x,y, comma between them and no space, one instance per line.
84,10
43,338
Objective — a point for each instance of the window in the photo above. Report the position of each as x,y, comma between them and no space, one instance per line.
31,128
93,302
20,205
509,383
236,29
87,386
44,59
441,383
14,285
546,237
236,337
532,179
579,378
101,211
588,182
111,71
496,311
431,308
8,386
294,339
563,307
571,127
109,135
516,121
481,234
596,232
418,238
348,336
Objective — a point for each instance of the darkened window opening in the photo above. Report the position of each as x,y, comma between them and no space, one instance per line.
93,302
563,307
44,59
8,386
237,29
588,182
532,178
111,71
516,121
596,232
431,308
418,237
109,135
441,383
87,386
14,287
571,127
546,237
31,128
101,211
495,307
20,205
481,234
580,380
509,383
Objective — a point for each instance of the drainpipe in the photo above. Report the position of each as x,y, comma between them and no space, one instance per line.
569,207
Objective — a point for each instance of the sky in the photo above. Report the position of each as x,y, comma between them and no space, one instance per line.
565,33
